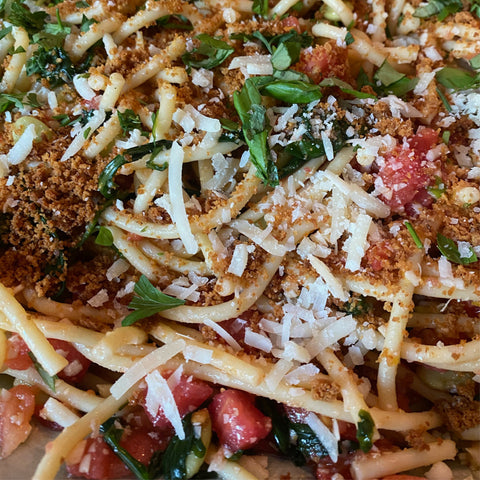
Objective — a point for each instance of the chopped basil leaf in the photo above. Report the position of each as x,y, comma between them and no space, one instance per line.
46,377
82,4
152,148
444,100
104,237
290,76
129,121
441,8
86,133
272,42
344,87
148,302
414,234
475,61
106,186
365,428
285,55
21,16
307,441
211,53
357,306
57,28
457,78
173,464
446,136
294,91
349,38
475,7
260,7
179,22
112,436
19,49
449,250
393,82
229,125
5,31
152,165
87,23
248,103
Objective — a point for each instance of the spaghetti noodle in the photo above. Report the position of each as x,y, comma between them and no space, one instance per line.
240,226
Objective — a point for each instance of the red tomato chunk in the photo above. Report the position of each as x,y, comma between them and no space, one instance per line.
189,394
16,410
237,422
407,172
18,358
97,461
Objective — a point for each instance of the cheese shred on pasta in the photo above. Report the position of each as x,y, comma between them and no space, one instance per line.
230,221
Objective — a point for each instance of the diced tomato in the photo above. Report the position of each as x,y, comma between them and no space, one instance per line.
326,469
347,430
17,353
18,358
292,22
237,422
189,394
92,104
99,462
16,410
77,364
407,172
134,237
379,255
323,61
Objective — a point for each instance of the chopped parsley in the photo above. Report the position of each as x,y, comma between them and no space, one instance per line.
129,121
178,22
17,100
148,301
21,16
87,23
260,7
57,28
457,78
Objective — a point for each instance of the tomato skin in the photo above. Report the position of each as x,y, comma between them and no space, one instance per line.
18,358
16,410
407,172
237,422
189,394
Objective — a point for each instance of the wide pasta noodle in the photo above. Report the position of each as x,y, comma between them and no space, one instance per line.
228,224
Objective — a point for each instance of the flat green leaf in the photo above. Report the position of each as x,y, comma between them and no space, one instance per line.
104,237
285,55
292,92
148,302
449,249
260,7
456,78
414,235
344,87
211,53
442,8
46,377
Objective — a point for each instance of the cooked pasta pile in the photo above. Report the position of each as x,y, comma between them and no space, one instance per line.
268,211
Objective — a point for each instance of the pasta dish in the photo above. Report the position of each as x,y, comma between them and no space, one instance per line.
233,230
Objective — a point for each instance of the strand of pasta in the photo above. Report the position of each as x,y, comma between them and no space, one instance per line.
224,361
343,11
66,393
390,356
353,400
152,12
378,21
159,61
17,60
77,45
396,421
107,132
387,463
61,446
78,313
15,314
173,262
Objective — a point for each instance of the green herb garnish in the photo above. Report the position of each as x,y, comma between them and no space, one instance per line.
414,234
449,249
365,429
211,53
148,302
46,377
441,8
21,16
104,237
57,28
